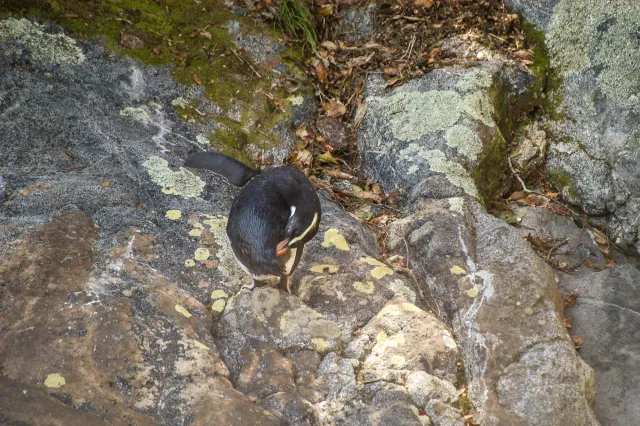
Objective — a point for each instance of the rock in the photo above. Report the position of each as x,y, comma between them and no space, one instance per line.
605,317
334,132
438,397
580,247
358,21
3,187
593,152
458,139
390,344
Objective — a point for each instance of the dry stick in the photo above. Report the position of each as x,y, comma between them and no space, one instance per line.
529,191
560,244
241,59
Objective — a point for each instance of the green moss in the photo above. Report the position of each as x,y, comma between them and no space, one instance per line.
490,172
560,180
191,37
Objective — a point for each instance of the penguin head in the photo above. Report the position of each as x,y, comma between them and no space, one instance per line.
301,227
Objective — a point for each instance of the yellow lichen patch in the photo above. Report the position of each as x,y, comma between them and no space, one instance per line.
201,345
218,305
472,292
219,294
389,310
333,237
168,191
201,253
189,263
410,307
332,269
321,345
456,270
173,214
195,232
183,311
216,222
382,337
380,269
398,360
366,288
198,225
54,381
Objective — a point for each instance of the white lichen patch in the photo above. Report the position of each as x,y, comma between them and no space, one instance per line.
54,381
296,100
195,232
189,263
466,142
180,102
456,204
438,162
202,140
135,113
411,115
399,288
183,181
593,33
20,35
477,78
478,105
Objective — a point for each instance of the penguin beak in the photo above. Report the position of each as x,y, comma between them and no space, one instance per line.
282,247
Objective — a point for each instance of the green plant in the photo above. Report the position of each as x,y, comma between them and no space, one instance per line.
296,20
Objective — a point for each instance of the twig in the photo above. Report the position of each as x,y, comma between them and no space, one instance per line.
529,191
244,61
560,244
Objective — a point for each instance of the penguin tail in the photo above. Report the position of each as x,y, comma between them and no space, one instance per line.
235,172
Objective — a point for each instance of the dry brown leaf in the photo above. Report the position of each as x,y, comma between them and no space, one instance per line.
105,184
205,34
577,342
390,70
423,3
302,132
566,321
518,195
334,108
337,174
130,41
367,195
329,45
304,157
321,72
392,81
325,10
197,79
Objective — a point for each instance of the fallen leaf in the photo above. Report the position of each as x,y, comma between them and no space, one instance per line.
392,81
334,108
304,157
367,195
566,321
570,300
518,195
325,10
302,132
205,34
105,184
577,342
130,41
327,158
197,79
321,73
611,263
329,45
390,70
423,3
337,174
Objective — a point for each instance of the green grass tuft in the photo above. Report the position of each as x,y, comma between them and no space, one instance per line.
296,20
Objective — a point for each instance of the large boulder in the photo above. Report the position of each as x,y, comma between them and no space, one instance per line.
440,137
595,131
606,319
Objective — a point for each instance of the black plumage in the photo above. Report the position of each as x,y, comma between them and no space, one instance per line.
274,215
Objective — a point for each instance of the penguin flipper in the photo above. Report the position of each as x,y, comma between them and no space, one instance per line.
234,171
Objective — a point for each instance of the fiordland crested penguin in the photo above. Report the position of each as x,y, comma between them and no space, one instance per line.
275,214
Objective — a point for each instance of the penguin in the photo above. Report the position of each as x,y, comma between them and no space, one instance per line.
275,214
